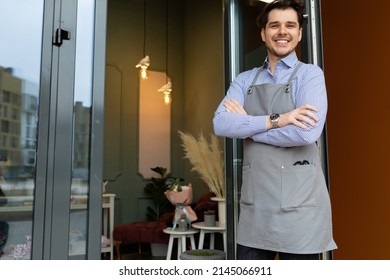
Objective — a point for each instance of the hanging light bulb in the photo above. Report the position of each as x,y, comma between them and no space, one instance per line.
166,90
143,65
167,97
144,73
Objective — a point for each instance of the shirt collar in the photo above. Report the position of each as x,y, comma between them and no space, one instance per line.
289,60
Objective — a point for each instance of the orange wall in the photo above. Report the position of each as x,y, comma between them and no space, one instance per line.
356,41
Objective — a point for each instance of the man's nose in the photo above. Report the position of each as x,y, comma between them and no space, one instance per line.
282,29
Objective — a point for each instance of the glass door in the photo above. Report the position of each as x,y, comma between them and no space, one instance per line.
51,113
20,67
69,164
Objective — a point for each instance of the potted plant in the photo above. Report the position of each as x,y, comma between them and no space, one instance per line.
209,218
203,254
156,188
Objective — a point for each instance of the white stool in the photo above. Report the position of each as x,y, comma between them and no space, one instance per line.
181,236
218,228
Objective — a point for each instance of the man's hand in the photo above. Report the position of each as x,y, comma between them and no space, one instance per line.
232,106
300,116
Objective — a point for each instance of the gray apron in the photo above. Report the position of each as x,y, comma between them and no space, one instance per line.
283,207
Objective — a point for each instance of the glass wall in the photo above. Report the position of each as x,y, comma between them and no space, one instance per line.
51,69
19,97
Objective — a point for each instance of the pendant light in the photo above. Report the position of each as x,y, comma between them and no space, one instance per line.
144,63
167,88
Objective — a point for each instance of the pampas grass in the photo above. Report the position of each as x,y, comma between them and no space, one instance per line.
206,159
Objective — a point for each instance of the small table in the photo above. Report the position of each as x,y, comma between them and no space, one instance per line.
181,236
108,222
218,228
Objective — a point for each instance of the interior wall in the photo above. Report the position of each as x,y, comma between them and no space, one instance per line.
204,72
195,64
356,61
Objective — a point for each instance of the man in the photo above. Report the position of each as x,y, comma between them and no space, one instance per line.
279,110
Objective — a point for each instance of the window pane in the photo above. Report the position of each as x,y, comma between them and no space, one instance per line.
82,123
19,88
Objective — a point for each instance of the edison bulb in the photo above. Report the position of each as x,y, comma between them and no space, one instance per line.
144,73
167,97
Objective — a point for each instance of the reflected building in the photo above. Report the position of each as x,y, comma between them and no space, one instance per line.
18,123
18,127
82,116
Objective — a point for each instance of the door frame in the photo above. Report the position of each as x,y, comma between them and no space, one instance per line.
312,52
55,134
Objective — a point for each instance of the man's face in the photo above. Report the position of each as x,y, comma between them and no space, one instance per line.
282,33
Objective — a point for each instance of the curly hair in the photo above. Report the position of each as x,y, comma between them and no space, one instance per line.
297,5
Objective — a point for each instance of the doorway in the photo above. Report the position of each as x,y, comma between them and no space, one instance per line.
185,41
201,57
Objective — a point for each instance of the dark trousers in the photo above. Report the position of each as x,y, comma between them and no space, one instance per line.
248,253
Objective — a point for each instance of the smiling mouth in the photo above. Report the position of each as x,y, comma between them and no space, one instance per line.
282,41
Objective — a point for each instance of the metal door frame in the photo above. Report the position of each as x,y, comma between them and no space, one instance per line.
55,131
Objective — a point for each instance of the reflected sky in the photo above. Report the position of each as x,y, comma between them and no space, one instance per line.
20,37
20,42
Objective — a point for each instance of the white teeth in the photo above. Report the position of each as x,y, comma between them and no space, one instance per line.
281,41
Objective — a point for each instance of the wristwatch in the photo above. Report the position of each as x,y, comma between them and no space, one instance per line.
274,120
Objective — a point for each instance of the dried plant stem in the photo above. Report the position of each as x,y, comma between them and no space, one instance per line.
206,159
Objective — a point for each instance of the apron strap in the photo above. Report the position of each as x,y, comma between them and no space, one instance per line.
292,76
250,89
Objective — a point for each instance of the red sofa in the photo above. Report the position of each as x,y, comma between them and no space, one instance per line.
152,231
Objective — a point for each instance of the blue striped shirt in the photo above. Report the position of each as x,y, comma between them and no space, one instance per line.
308,87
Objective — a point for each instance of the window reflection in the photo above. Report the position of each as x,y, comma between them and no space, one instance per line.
81,128
19,87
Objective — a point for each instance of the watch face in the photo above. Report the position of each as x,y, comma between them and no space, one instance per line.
274,117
